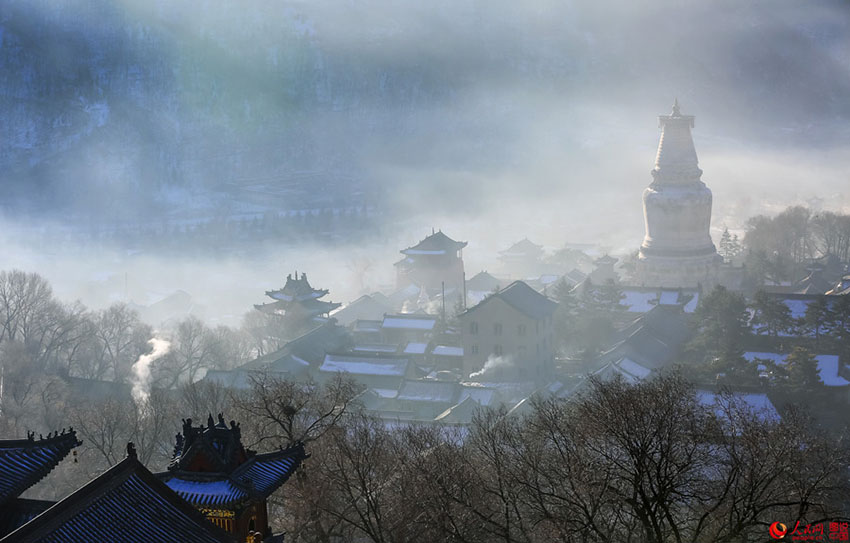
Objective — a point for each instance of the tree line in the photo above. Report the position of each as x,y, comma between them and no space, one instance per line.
779,248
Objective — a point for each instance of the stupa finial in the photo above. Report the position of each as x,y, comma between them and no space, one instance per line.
676,112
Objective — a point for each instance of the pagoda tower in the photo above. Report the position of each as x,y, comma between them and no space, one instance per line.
298,302
677,250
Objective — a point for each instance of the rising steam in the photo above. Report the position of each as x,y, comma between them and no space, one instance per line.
493,364
142,369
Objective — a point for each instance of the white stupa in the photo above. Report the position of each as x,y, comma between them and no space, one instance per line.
677,250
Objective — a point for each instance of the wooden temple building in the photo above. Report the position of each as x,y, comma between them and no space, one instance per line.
522,259
434,263
230,484
298,302
23,463
126,503
215,491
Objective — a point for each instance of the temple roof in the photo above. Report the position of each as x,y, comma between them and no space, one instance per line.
605,260
483,281
24,462
310,306
310,347
19,511
254,479
126,503
523,248
297,289
524,299
435,244
211,448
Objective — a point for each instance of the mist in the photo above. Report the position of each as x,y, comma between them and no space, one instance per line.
491,121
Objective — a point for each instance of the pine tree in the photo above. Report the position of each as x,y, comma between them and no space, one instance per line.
839,320
726,245
772,313
803,370
818,315
723,326
736,247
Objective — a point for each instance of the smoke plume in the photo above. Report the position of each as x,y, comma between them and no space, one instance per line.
493,364
142,369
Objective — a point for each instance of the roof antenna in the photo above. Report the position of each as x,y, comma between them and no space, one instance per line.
432,230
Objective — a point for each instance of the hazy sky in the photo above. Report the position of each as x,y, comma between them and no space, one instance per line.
490,119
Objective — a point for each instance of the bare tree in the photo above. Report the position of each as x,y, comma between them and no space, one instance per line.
285,412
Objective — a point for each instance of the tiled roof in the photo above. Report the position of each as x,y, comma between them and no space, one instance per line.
126,503
261,475
524,299
216,491
266,472
17,512
24,462
437,243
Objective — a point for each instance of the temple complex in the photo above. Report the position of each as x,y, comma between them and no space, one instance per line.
677,250
298,302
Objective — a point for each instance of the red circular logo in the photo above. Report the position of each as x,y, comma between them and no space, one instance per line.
777,530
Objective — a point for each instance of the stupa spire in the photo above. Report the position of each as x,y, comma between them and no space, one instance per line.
676,161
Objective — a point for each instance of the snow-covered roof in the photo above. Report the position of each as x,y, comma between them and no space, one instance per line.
638,301
427,391
633,368
446,350
482,396
641,299
415,348
797,307
364,365
757,401
827,366
403,322
375,347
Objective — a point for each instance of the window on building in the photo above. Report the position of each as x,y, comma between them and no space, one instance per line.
497,350
474,349
520,330
473,327
497,329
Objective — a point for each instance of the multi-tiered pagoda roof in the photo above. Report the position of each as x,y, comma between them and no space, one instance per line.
297,299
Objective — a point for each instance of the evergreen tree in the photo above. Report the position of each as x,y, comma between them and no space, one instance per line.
839,320
726,245
608,297
722,328
818,315
772,313
803,371
566,315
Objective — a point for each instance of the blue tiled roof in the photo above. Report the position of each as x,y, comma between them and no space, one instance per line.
24,462
214,492
127,504
266,472
259,476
